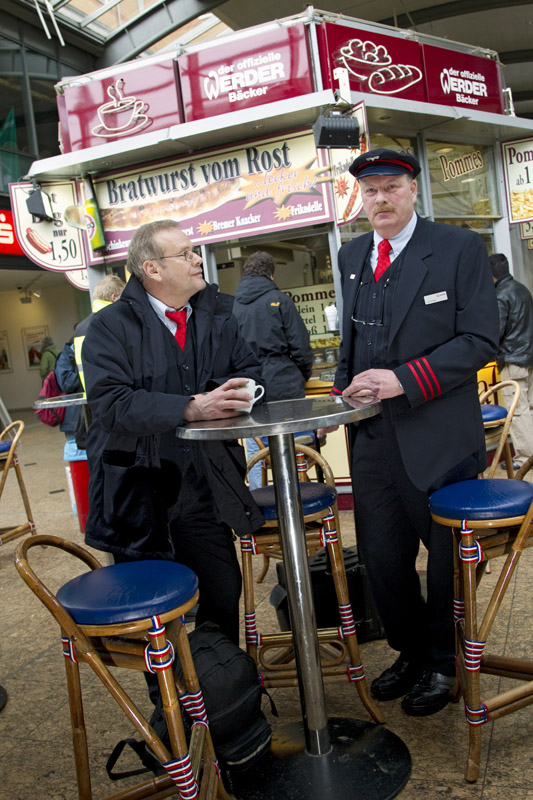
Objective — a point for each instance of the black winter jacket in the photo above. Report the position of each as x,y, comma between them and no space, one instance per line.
272,326
125,370
515,305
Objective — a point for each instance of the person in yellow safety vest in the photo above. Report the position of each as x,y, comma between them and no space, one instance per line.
105,292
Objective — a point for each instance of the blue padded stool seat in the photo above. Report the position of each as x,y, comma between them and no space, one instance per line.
492,413
129,591
483,499
315,497
303,437
5,447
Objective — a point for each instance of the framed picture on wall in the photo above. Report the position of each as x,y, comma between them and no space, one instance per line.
6,364
32,339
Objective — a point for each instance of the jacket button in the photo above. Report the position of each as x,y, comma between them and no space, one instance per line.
187,387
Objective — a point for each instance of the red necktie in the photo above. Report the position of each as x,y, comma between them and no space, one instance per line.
180,318
384,248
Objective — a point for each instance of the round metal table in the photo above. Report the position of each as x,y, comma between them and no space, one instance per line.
342,757
78,399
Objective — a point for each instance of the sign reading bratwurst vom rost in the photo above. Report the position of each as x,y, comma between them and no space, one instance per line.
224,194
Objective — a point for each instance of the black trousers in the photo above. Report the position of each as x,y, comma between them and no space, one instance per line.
205,545
392,517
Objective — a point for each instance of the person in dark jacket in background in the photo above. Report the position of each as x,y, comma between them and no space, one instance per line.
69,371
169,351
515,353
272,326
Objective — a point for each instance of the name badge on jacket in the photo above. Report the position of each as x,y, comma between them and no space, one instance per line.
438,297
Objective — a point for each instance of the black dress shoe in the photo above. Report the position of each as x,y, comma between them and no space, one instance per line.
397,680
431,693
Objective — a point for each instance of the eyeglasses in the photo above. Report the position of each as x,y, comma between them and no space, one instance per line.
187,255
374,322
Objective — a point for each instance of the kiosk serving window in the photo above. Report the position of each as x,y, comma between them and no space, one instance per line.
463,190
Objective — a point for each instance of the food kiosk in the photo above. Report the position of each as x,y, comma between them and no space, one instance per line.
222,136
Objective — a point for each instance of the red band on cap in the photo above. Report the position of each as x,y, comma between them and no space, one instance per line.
386,161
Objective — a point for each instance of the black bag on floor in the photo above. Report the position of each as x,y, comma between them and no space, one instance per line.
232,696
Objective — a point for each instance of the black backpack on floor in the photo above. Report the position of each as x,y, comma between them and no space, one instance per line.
232,695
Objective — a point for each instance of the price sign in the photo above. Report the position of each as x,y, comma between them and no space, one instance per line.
78,278
526,230
518,166
55,245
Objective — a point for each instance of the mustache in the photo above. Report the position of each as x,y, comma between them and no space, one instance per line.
383,207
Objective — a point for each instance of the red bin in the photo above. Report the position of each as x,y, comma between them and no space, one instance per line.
79,471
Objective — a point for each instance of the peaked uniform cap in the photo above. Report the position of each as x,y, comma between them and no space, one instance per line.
385,162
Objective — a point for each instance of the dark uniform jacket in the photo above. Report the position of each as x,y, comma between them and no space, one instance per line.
515,305
444,327
125,364
272,326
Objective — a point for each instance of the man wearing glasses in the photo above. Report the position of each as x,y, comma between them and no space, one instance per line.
169,350
420,318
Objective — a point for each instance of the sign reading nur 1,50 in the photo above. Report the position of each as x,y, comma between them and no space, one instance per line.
60,248
53,244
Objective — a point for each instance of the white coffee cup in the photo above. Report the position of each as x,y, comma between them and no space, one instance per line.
253,388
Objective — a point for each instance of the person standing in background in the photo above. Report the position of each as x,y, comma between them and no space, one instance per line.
515,353
270,323
69,374
49,354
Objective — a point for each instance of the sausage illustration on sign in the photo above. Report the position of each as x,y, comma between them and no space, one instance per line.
36,242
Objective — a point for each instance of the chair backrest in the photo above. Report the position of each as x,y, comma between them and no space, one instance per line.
306,459
499,431
28,575
11,434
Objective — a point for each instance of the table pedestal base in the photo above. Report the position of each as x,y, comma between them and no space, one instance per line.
366,762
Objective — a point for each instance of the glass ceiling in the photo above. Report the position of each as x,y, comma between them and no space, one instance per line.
102,19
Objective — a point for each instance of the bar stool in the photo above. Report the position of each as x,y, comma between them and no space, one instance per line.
117,615
489,518
9,439
307,438
273,653
497,423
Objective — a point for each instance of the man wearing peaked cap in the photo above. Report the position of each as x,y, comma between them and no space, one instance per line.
419,319
384,162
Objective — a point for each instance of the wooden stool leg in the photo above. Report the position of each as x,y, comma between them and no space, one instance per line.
159,659
469,555
355,669
266,564
201,745
25,499
77,720
252,637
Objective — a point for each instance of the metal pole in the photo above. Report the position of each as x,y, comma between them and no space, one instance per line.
300,597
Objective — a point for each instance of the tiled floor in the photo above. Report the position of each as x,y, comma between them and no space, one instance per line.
35,743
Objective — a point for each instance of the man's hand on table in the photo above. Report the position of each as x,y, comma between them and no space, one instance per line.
374,383
225,401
